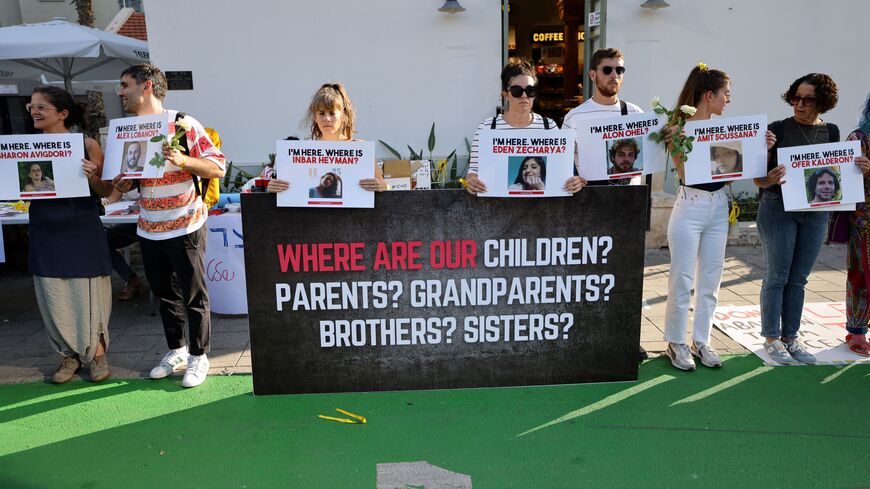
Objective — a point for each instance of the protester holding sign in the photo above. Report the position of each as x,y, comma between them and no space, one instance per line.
519,89
791,240
858,257
331,117
69,257
697,234
171,227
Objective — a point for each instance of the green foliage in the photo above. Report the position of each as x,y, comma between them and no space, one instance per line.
445,172
235,177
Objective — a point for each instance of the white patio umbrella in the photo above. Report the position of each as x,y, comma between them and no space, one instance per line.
63,51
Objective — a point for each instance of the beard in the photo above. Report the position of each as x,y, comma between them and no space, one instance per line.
607,90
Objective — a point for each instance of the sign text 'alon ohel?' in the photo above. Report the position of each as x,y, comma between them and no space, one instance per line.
439,289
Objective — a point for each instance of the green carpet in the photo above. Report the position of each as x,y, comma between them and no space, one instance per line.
742,426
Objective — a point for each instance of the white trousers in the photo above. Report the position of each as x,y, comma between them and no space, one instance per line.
697,235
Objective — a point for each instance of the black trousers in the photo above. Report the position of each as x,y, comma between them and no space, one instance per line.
175,269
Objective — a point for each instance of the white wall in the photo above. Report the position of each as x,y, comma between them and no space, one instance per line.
404,64
762,45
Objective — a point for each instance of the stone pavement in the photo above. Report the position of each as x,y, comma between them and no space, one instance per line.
137,342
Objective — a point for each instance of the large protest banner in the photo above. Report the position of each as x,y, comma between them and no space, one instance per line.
821,176
325,173
727,149
620,147
130,150
440,289
525,162
42,166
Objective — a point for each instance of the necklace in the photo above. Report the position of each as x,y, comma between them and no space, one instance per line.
808,140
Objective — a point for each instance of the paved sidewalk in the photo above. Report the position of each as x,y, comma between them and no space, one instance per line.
137,342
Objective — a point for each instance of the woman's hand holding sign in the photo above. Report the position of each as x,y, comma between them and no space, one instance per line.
774,177
574,184
474,185
863,164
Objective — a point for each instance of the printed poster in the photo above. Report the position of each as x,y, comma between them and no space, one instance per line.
130,150
42,166
727,149
821,176
822,331
526,162
620,147
325,173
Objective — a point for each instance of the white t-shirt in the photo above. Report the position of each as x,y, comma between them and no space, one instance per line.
501,124
591,109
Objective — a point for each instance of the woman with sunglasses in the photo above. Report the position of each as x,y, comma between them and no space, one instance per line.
697,234
331,118
69,255
519,88
791,241
858,257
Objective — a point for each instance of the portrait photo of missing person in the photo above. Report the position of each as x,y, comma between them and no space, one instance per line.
133,160
529,173
726,157
36,176
823,184
328,187
624,156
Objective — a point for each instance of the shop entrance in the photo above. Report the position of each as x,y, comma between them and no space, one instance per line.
550,33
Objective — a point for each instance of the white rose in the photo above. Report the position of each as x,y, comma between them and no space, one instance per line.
655,102
183,124
688,110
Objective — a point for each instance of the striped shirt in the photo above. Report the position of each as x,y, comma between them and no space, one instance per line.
169,206
501,124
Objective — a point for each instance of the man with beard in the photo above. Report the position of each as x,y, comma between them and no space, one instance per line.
623,156
605,70
171,227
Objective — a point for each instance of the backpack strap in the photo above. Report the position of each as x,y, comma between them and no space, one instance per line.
183,142
623,107
546,122
494,118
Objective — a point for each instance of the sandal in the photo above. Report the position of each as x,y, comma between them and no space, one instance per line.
133,288
858,344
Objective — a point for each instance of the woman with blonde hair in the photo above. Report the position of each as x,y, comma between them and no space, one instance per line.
331,118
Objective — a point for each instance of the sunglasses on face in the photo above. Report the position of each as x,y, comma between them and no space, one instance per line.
808,101
517,91
609,69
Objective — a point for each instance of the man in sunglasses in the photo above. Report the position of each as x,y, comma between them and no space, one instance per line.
606,70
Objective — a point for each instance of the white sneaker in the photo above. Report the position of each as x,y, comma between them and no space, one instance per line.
197,371
171,362
707,355
680,356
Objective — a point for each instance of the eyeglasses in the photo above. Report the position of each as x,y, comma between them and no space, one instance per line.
808,101
609,69
38,108
517,91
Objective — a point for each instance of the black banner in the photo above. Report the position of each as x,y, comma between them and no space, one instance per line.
440,289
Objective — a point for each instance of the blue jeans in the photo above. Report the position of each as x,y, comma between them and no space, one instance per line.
791,242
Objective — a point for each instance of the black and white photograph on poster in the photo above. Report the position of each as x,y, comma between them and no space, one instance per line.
325,173
134,147
525,162
821,176
134,152
529,173
620,147
525,292
726,159
726,149
42,166
624,157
